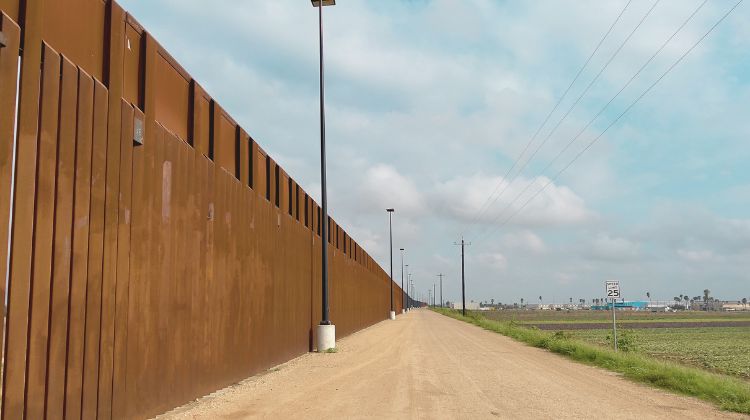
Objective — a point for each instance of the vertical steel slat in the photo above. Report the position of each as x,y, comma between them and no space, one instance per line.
122,288
36,369
8,91
63,232
90,387
79,275
22,247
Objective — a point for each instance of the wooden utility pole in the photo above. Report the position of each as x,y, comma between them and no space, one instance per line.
463,281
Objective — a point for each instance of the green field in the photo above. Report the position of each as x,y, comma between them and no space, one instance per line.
538,317
721,350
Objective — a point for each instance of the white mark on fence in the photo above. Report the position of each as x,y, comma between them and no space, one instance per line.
166,190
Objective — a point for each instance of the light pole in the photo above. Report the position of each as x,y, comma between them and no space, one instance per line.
441,289
408,287
403,294
411,292
390,233
326,337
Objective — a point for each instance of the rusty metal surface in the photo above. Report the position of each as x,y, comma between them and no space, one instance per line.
145,275
8,90
80,245
10,8
63,230
17,322
86,44
92,333
42,238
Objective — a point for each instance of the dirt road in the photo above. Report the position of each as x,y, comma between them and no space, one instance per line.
425,365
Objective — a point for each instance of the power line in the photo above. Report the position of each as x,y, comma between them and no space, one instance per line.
482,209
632,104
575,103
573,140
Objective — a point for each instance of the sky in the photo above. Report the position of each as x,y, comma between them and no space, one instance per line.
429,103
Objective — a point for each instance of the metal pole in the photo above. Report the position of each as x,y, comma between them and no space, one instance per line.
408,287
414,298
324,193
390,230
614,323
411,293
441,289
463,283
403,294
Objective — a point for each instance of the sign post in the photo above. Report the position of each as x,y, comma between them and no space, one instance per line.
613,292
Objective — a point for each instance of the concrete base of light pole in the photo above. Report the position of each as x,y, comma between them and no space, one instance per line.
326,338
393,315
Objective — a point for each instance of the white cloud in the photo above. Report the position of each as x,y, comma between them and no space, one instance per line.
696,256
372,242
524,240
384,187
493,260
564,279
613,248
463,198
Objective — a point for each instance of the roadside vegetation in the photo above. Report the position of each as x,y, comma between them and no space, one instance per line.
539,317
720,350
728,393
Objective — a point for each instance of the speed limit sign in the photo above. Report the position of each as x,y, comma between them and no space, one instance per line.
613,289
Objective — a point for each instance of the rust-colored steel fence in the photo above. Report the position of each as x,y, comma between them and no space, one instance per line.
156,252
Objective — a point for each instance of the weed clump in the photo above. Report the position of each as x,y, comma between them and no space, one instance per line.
626,341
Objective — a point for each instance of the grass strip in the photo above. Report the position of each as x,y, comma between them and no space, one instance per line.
725,392
625,321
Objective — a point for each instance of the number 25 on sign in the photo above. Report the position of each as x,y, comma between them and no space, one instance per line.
613,289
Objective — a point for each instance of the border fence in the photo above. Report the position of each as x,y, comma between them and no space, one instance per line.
156,252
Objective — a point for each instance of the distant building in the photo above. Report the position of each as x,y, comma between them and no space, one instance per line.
626,305
472,306
734,306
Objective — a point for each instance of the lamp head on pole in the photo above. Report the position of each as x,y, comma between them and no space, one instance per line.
390,210
401,249
316,3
